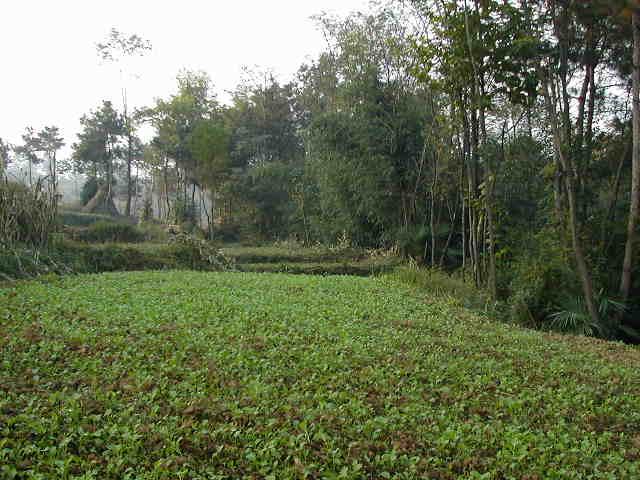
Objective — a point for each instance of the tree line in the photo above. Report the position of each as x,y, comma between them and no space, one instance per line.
497,139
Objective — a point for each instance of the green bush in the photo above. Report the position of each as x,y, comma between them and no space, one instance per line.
537,286
365,268
17,263
153,232
78,219
75,257
103,232
227,233
572,316
290,252
184,211
440,284
198,254
147,210
411,241
114,257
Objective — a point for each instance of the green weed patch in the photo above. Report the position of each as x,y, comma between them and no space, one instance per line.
164,375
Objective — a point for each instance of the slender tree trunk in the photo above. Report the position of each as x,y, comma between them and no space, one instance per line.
463,217
165,175
561,25
453,218
590,113
609,216
127,208
569,187
127,120
489,179
634,207
464,234
475,211
464,164
583,270
203,205
159,202
135,189
54,182
193,202
109,170
491,277
213,213
432,217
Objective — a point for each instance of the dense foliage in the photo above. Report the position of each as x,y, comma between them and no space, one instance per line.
67,257
477,160
198,375
492,138
104,232
496,139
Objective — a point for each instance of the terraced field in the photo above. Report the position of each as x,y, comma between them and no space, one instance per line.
164,375
310,261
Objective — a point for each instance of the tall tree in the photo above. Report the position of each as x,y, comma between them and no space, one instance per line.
116,49
98,152
28,151
50,141
209,146
191,111
366,135
634,206
263,121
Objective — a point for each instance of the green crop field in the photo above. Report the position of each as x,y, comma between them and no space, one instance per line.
187,375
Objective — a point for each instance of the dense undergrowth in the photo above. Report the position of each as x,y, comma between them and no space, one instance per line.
293,253
316,260
75,258
233,375
93,243
78,219
104,232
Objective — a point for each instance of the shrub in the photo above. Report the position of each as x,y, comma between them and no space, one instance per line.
103,232
184,211
113,257
17,263
411,241
74,257
147,210
78,219
227,233
572,316
153,232
198,254
538,284
440,284
27,214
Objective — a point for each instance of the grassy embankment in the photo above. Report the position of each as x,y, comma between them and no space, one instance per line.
312,260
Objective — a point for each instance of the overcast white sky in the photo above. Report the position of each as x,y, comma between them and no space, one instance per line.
51,74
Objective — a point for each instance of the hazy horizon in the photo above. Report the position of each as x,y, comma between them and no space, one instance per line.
55,75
